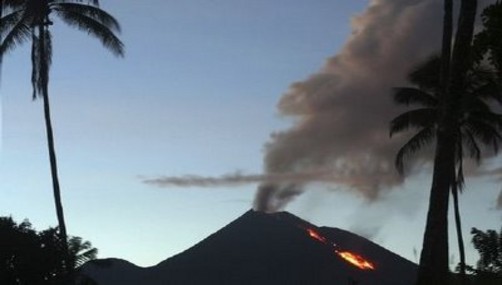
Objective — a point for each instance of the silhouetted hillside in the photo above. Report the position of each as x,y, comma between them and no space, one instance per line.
260,248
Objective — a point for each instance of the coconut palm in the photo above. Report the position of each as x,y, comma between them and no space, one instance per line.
477,123
81,251
433,266
30,21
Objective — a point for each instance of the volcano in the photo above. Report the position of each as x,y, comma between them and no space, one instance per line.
261,248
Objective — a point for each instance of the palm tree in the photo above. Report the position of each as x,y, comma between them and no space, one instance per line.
476,124
30,20
433,267
81,251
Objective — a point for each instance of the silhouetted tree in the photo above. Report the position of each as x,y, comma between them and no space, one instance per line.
17,243
30,20
488,42
476,123
433,265
81,251
31,257
489,246
455,63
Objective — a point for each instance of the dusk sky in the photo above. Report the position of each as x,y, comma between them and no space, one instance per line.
236,88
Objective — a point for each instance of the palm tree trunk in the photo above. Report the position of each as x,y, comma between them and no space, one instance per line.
53,164
461,61
460,238
433,267
455,190
446,45
50,142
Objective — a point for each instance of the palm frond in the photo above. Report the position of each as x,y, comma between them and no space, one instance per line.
92,12
472,146
427,74
19,34
470,103
418,141
485,133
86,255
81,251
419,118
491,118
11,4
409,95
41,59
489,90
35,66
7,22
91,2
95,28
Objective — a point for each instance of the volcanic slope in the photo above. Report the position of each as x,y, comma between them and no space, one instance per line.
260,248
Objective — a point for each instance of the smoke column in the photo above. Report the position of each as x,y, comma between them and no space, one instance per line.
238,178
343,111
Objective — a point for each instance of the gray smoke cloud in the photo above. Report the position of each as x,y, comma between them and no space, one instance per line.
238,178
343,111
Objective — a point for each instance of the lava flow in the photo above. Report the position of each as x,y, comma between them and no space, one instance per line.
348,256
356,260
315,235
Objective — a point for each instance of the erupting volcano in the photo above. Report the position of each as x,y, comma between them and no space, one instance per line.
261,248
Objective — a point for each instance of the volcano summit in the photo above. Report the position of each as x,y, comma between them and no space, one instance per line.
261,248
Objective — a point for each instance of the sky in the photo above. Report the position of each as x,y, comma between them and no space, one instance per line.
223,88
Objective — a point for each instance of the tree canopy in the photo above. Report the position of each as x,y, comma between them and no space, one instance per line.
28,256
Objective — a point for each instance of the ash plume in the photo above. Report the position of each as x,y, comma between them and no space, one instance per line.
343,111
238,178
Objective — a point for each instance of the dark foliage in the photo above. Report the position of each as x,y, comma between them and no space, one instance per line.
30,257
488,42
489,246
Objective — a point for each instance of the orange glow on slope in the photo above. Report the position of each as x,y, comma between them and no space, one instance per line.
348,256
316,236
356,260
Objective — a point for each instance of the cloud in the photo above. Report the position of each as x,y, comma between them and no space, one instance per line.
238,178
343,111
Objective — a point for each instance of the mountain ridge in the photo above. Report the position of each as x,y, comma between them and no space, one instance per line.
261,248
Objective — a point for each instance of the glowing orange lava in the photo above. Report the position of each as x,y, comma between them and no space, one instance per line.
317,236
356,260
348,256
